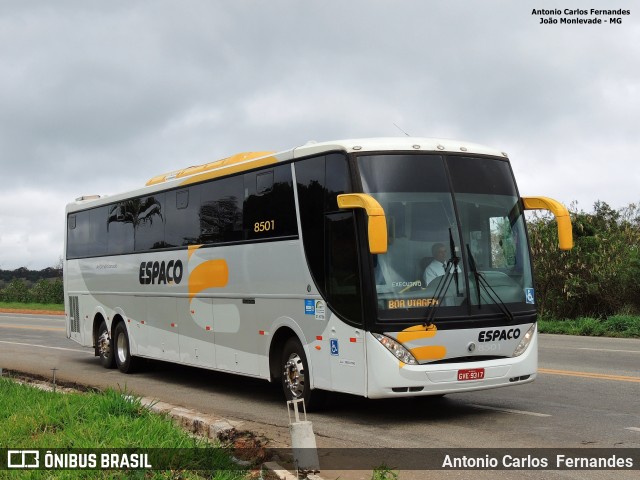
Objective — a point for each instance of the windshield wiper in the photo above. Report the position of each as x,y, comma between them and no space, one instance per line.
445,281
482,282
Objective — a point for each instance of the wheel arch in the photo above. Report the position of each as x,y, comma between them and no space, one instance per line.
98,318
280,337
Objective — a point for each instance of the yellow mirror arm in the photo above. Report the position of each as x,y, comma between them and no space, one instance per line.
565,233
377,219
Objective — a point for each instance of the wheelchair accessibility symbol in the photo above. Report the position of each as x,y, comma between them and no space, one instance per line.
529,297
334,346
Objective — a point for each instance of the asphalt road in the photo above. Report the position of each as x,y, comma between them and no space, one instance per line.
586,395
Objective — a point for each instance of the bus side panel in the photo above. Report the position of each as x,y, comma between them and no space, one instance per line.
163,329
347,356
265,276
197,337
236,336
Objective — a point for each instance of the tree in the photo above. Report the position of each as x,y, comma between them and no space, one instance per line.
597,277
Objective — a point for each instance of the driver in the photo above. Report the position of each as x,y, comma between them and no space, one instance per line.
438,267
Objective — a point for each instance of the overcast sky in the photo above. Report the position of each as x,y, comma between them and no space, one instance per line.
99,96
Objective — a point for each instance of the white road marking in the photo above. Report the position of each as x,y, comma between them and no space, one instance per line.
47,346
634,429
509,410
607,350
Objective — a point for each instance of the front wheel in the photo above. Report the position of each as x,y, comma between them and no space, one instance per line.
104,347
296,381
125,362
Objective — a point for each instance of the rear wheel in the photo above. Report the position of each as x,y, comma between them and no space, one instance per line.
296,382
126,363
104,347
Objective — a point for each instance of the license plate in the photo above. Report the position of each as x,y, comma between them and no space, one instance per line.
471,374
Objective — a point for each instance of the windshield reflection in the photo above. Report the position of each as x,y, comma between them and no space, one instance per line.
430,225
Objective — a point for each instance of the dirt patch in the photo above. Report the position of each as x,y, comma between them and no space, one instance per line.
34,312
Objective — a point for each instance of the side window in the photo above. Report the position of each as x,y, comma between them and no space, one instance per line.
269,206
182,226
310,179
78,235
87,233
338,181
221,211
343,279
120,228
98,241
328,233
147,215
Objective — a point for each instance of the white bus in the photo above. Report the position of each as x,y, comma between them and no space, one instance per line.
381,267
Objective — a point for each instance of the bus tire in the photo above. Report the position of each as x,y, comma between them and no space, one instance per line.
125,362
104,347
296,382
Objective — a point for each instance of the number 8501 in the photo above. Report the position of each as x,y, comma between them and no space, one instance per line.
264,226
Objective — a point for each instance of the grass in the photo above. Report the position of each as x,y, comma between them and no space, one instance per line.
627,326
58,307
34,419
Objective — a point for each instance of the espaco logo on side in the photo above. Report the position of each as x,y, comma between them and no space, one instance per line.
152,273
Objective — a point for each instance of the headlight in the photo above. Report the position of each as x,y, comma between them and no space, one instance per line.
524,343
396,349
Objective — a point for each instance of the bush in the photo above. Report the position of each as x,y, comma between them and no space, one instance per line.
16,291
47,291
44,291
598,277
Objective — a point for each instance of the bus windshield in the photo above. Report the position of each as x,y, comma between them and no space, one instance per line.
457,241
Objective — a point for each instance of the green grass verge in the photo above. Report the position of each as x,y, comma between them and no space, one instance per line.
58,307
627,326
34,419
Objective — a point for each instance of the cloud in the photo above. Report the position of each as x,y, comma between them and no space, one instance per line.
98,97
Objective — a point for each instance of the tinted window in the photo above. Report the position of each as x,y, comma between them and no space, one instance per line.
403,173
87,233
182,220
337,180
221,210
310,177
147,214
329,235
98,242
484,176
120,227
269,213
343,278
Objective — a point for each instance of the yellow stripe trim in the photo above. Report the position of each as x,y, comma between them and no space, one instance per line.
238,158
224,170
599,376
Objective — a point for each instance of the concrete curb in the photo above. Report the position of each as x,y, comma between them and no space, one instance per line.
210,426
